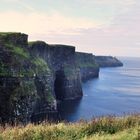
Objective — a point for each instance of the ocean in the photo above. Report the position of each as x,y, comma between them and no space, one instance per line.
115,92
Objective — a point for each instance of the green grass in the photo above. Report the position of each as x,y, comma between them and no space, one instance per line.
8,33
69,71
21,56
128,134
50,97
88,65
41,65
36,43
17,50
20,51
39,62
106,128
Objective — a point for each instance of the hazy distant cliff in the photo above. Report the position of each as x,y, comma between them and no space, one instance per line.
108,61
88,67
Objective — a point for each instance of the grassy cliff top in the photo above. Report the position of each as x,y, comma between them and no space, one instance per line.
16,60
15,38
3,34
43,43
7,33
30,43
106,128
85,60
60,45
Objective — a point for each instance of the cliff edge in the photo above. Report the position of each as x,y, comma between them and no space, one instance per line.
88,66
35,75
108,61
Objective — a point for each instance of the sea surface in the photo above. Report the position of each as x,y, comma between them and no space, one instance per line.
115,92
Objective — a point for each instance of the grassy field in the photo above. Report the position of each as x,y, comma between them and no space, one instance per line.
105,128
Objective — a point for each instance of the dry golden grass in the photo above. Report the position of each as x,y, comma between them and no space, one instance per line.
105,128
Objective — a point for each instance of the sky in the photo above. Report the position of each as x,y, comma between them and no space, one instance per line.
101,27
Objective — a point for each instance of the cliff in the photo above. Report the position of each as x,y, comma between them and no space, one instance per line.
35,75
108,61
24,81
61,60
88,67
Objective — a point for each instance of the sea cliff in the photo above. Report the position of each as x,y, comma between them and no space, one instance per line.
89,68
34,76
108,61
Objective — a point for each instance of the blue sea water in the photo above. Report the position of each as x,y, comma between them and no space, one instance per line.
115,92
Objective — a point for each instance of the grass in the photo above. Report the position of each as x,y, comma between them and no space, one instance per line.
30,43
20,51
69,71
41,65
84,62
17,50
8,33
50,97
88,65
128,134
105,128
21,57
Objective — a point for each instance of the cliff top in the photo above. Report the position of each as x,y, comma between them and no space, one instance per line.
9,34
39,42
15,57
108,61
83,53
14,38
60,45
85,60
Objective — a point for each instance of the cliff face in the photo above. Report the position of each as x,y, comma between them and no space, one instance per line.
33,77
61,60
25,81
88,67
108,61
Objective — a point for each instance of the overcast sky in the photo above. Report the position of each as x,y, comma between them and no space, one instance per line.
103,27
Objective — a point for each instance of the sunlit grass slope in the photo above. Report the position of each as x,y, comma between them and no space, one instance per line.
105,128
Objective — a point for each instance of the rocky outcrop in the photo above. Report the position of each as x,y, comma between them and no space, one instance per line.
88,67
108,61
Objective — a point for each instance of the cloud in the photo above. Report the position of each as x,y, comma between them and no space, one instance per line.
113,6
11,0
121,38
110,2
20,3
44,23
